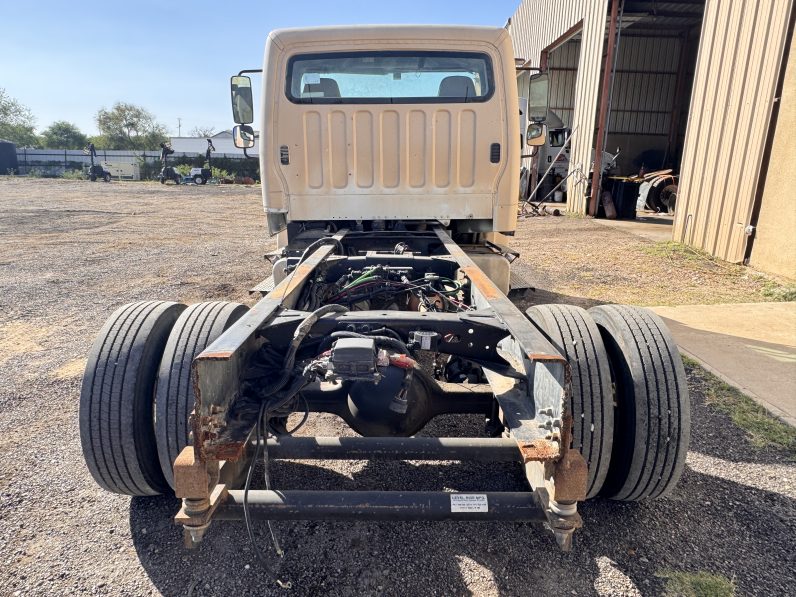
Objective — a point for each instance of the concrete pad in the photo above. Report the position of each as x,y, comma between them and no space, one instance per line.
654,227
751,346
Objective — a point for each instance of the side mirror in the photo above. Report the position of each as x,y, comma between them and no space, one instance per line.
243,136
535,136
242,102
538,97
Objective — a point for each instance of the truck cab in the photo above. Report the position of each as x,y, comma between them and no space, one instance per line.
387,126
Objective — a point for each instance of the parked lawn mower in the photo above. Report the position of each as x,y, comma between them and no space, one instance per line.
202,175
199,175
167,172
95,171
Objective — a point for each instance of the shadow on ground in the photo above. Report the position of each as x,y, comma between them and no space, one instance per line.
711,523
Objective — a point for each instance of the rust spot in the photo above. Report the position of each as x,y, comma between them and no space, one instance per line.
571,477
480,280
232,451
540,450
543,356
221,355
192,477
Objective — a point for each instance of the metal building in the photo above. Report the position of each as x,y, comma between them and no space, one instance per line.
691,85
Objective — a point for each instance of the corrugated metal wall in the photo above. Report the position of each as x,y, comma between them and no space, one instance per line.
539,23
563,68
644,85
739,59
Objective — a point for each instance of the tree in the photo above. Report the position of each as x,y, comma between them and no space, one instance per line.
127,126
17,123
63,135
203,131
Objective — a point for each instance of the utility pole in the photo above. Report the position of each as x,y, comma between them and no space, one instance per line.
179,126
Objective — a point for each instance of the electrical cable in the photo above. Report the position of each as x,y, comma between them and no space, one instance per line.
247,516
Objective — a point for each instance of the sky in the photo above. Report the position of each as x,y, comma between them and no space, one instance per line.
65,61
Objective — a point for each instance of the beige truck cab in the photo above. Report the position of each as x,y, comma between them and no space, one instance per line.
388,123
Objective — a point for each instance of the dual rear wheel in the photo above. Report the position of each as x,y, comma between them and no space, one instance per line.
138,371
629,398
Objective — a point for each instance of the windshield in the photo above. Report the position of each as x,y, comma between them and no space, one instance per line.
389,77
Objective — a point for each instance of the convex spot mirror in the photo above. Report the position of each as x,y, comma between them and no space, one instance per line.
538,97
243,136
242,103
535,135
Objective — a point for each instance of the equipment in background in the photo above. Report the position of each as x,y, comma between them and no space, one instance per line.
657,192
95,171
202,175
529,207
167,172
553,159
606,206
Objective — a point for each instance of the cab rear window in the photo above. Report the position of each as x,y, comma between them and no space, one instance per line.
389,78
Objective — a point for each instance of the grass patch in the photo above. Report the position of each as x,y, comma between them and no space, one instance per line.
779,292
764,429
697,584
683,254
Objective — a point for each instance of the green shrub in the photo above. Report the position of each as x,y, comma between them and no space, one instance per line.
220,174
73,175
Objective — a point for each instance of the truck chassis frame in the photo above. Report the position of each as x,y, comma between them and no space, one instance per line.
528,382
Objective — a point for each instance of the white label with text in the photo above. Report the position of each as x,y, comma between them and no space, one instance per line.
469,502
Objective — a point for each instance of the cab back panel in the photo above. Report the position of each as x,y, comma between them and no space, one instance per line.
378,161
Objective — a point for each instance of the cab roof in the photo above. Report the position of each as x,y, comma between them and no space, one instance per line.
364,33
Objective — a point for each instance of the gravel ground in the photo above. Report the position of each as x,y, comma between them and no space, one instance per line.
73,251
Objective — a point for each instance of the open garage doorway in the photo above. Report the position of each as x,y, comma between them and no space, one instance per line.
552,163
649,57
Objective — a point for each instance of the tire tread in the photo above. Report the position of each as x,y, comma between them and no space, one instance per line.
575,335
116,427
649,458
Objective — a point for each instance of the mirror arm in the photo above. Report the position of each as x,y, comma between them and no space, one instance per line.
250,70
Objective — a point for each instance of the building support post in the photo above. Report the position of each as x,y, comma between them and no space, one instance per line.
602,116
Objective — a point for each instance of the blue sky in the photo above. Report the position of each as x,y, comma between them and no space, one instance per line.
65,60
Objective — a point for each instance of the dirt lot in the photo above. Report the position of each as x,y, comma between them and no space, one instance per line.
73,251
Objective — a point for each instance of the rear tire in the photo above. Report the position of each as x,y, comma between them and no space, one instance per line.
668,198
652,421
198,326
116,426
106,177
573,332
197,180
